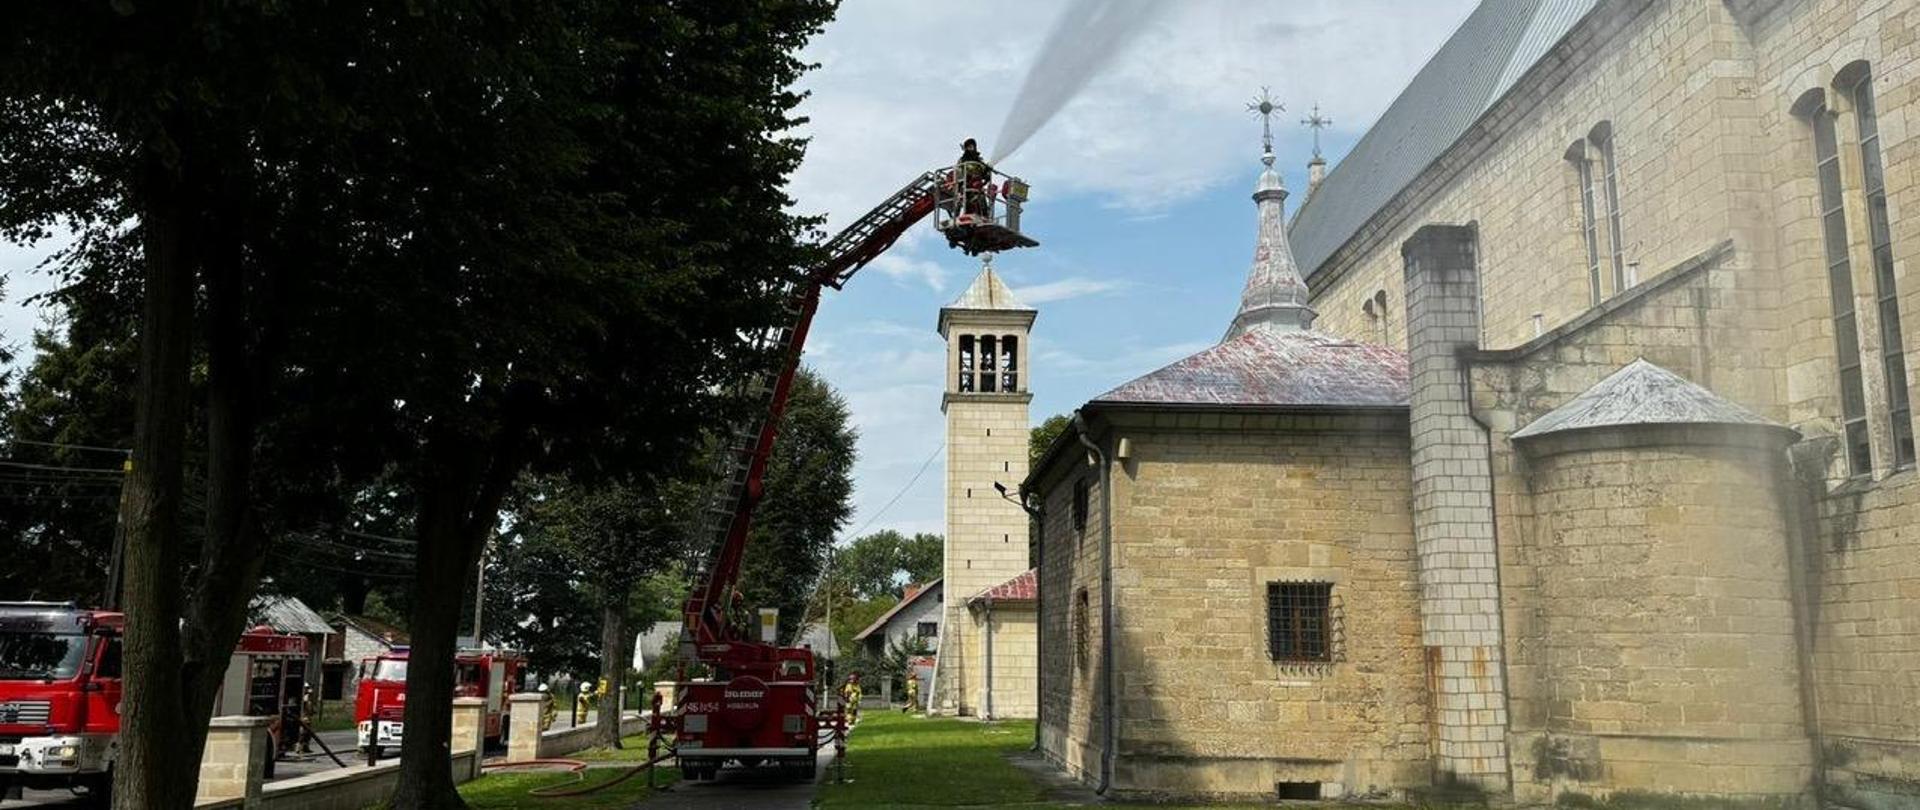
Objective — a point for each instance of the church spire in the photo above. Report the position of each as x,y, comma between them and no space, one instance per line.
1275,297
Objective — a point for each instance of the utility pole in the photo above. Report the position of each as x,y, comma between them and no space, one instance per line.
479,591
111,599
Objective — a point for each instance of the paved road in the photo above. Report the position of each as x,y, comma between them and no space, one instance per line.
746,788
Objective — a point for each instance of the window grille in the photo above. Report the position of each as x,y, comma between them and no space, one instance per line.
1300,622
1610,169
1589,224
1082,634
927,629
1846,329
1892,346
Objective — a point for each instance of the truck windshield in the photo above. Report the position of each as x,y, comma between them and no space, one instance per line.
34,655
387,669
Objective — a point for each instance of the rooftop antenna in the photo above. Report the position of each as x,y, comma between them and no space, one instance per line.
1316,122
1265,107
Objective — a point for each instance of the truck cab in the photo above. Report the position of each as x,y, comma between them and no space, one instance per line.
60,671
380,705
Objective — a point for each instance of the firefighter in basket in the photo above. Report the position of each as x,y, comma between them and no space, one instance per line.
976,179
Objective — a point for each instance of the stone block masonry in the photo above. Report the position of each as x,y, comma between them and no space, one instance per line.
1453,515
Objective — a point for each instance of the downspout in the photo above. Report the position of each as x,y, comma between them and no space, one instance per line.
986,710
1109,723
1039,617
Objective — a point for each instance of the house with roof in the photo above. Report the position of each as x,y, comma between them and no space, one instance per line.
355,639
915,618
1560,448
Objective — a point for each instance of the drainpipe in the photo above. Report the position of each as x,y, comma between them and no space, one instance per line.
1110,725
986,712
1039,615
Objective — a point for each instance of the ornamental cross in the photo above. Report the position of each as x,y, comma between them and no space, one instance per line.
1317,122
1265,107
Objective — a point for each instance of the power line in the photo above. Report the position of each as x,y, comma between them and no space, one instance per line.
903,490
64,446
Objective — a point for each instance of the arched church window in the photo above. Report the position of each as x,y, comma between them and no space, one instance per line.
1589,222
966,364
1859,83
1010,363
989,352
1846,327
1602,138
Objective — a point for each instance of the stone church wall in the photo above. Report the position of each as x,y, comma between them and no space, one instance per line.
1210,508
1071,715
1715,168
1014,659
986,541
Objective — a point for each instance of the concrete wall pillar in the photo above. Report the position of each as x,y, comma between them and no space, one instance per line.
1453,514
523,725
470,729
234,764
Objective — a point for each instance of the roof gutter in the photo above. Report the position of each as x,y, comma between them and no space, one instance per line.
1110,726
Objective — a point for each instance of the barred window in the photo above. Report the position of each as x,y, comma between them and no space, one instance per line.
1610,175
1892,346
1589,221
1300,622
927,629
1082,635
1846,328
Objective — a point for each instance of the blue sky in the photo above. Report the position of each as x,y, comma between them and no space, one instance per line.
1140,193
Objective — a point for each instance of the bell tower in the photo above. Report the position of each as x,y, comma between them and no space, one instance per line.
985,401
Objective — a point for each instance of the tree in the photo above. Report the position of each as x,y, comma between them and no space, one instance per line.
884,562
448,244
809,490
1043,435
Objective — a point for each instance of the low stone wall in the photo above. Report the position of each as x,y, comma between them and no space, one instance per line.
233,767
560,742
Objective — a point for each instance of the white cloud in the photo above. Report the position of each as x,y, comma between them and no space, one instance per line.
905,268
1064,289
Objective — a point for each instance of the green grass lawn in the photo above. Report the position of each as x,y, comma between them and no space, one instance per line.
634,750
509,790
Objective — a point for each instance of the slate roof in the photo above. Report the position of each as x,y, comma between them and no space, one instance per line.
1642,393
900,606
1022,588
1267,368
288,615
1491,51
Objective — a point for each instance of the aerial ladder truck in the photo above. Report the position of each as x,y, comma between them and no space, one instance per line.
759,706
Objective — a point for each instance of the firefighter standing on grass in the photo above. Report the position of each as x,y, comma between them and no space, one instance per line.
913,693
850,694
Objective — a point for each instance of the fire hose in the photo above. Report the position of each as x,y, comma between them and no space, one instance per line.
579,770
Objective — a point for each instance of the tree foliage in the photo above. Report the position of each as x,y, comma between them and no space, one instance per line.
1043,435
884,562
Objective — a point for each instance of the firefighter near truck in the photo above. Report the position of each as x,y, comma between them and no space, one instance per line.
758,702
60,674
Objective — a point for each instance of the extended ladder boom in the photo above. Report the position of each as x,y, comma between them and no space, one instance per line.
968,218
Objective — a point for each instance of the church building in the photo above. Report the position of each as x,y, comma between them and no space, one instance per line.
1559,449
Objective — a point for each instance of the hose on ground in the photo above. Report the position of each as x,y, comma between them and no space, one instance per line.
579,770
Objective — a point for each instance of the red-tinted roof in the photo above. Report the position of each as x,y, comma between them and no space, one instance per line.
1276,368
1023,588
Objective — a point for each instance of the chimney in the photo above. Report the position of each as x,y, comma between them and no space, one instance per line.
1316,171
911,589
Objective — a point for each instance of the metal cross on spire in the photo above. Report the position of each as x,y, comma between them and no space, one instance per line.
1317,122
1265,107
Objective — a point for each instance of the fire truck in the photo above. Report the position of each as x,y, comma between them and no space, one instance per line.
60,671
759,706
381,699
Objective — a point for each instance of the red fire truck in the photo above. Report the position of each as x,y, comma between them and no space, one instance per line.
60,692
760,706
381,702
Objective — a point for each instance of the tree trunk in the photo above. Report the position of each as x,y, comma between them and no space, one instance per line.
460,496
159,758
615,657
